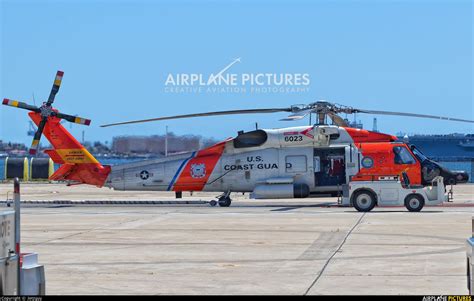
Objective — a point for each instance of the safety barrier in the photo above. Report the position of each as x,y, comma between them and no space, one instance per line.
41,168
16,168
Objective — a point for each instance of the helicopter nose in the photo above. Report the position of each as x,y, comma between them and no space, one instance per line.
461,176
456,177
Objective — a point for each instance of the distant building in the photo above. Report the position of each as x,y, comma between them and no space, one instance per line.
10,146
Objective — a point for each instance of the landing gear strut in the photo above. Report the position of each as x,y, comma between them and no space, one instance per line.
224,201
450,194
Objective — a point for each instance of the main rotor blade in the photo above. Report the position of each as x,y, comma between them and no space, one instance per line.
71,118
37,137
411,115
231,112
55,88
337,120
297,116
19,104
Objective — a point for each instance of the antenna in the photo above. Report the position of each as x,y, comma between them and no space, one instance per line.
374,126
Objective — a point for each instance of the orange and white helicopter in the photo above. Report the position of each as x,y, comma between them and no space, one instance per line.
293,162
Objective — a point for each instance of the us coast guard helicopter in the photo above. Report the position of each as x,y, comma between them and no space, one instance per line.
293,162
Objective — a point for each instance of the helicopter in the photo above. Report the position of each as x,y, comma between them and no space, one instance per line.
292,162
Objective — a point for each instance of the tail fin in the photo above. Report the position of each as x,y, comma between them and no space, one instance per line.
78,164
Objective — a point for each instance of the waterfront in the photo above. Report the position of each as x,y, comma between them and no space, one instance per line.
451,164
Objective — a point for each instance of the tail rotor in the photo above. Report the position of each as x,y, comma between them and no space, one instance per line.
46,111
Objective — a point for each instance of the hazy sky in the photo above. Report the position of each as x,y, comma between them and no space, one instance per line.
413,56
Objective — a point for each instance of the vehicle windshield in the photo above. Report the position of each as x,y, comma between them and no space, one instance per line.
418,154
402,155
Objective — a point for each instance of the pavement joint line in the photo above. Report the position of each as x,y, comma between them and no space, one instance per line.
109,202
91,230
411,254
453,239
285,209
79,233
398,275
333,254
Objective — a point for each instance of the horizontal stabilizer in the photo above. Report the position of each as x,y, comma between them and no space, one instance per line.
63,172
92,174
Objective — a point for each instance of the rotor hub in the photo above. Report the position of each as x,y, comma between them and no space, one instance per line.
46,110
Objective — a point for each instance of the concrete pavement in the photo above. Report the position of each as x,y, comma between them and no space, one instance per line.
252,247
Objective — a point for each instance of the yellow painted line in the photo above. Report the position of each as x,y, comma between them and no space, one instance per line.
34,143
14,103
77,120
57,82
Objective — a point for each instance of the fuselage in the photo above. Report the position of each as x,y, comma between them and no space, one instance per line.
318,158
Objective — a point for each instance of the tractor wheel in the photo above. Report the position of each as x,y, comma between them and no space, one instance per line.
414,202
364,200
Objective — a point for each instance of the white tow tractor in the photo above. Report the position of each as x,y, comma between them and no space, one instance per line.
392,191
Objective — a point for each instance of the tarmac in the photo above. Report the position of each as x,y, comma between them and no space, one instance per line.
291,247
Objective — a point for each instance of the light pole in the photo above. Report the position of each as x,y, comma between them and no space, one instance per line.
166,142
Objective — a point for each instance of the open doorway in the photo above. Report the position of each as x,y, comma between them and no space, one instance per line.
329,167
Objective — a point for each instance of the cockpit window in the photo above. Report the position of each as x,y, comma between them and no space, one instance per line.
418,154
403,156
250,139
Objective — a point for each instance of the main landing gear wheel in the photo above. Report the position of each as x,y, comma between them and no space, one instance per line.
364,201
225,201
414,202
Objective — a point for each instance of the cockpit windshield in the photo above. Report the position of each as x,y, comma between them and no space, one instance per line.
418,153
